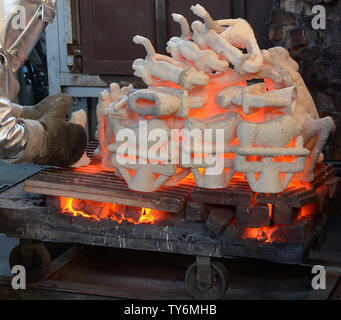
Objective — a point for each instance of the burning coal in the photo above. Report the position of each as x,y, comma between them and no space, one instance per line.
99,211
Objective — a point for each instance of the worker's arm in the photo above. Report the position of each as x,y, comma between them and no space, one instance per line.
40,134
44,137
13,134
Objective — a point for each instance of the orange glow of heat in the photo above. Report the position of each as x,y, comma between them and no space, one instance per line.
148,216
211,108
307,211
299,184
91,168
260,234
271,206
266,234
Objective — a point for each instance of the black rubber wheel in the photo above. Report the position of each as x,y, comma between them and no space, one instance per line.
220,282
34,257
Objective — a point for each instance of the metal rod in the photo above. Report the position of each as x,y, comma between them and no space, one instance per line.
161,26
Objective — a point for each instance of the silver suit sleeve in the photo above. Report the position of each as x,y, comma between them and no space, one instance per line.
13,135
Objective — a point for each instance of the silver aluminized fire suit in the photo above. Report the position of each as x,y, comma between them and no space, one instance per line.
40,133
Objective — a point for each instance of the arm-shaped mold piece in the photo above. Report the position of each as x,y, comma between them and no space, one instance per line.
252,97
185,28
110,105
240,34
212,35
224,97
278,59
320,129
204,60
165,68
163,101
120,109
201,12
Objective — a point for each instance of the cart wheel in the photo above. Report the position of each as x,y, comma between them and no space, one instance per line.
34,257
219,285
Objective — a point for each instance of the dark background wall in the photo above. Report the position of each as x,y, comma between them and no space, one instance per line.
108,27
318,53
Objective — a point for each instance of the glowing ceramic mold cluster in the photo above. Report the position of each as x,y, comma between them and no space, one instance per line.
216,77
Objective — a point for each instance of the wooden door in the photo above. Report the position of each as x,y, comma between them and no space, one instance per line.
108,27
107,30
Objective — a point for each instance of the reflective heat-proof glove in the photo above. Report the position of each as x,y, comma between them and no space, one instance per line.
52,140
37,111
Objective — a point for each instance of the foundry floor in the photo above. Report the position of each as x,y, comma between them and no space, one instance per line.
143,274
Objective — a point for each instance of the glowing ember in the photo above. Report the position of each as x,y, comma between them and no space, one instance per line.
266,234
100,211
260,234
307,211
